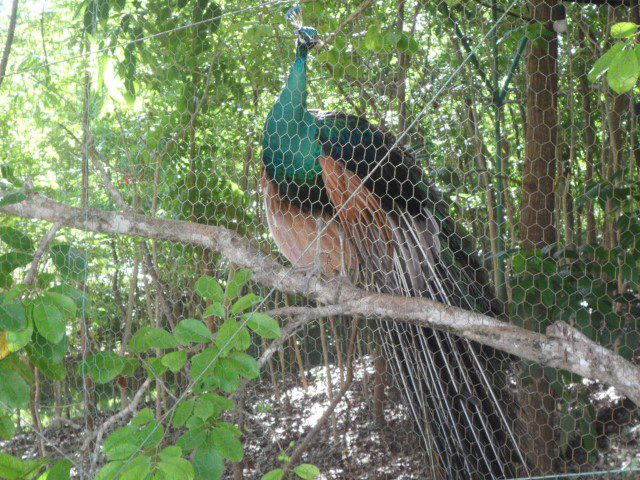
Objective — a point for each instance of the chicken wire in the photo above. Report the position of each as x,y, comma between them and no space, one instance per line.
160,110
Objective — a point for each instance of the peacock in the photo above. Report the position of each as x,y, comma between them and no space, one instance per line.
341,195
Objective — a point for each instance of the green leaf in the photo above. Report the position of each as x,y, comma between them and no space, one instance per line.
50,352
7,427
203,408
276,474
171,451
61,470
216,309
624,71
104,366
234,287
176,468
149,337
192,330
19,339
221,403
143,417
203,360
243,340
130,366
624,30
82,299
70,262
12,260
14,391
228,445
192,439
16,239
150,436
231,428
244,364
175,361
109,471
63,303
137,468
263,324
57,371
227,335
31,468
228,379
10,467
307,471
154,366
603,63
209,288
208,464
244,302
12,317
183,412
125,441
48,320
12,197
47,357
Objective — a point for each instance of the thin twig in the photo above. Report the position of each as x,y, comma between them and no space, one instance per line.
42,247
129,410
98,163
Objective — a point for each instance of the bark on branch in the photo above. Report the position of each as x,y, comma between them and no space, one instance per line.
4,60
562,346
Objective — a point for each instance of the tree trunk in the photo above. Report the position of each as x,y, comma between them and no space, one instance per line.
537,226
590,145
537,220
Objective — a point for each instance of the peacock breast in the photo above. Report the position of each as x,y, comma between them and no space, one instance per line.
291,149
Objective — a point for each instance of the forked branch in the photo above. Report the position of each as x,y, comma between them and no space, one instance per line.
562,347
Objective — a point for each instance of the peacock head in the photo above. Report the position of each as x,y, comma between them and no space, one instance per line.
307,36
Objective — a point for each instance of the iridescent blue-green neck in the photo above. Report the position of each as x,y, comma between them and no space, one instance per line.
290,146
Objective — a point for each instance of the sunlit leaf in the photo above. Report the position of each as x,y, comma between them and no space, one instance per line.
624,29
307,471
192,330
209,288
48,320
263,324
624,71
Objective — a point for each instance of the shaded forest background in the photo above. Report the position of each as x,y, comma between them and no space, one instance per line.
539,160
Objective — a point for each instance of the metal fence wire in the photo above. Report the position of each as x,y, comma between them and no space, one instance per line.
333,239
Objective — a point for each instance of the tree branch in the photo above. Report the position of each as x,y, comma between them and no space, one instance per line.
122,414
562,347
7,44
42,247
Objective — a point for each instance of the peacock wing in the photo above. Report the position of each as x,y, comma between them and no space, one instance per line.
362,217
296,233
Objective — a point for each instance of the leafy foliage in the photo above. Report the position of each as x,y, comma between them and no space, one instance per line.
621,62
178,117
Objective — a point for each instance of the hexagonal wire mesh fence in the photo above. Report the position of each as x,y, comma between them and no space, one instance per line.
191,191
